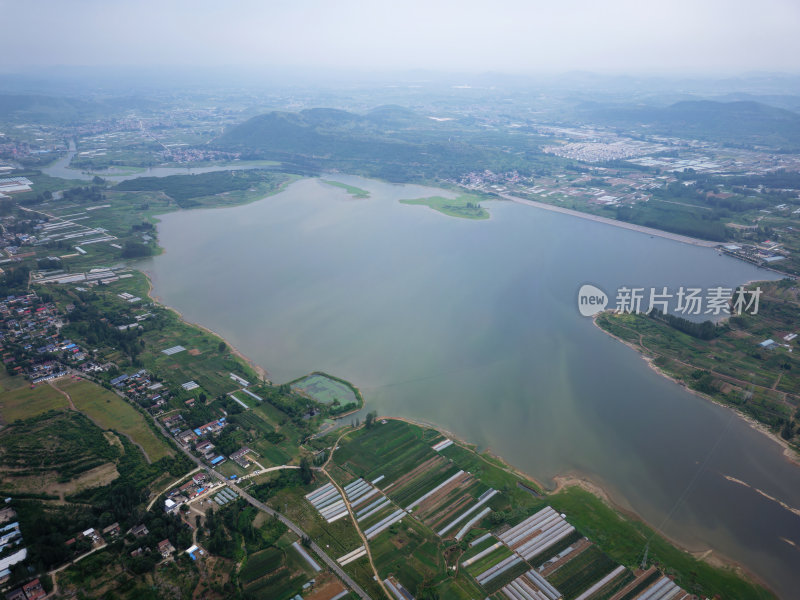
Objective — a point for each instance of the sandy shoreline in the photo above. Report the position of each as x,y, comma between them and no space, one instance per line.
260,371
788,452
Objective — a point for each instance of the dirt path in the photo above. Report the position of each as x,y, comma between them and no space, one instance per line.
68,397
324,469
777,381
262,470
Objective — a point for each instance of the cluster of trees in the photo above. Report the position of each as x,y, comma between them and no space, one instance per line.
706,330
293,405
134,249
48,263
227,441
226,529
14,281
703,381
143,227
92,193
199,414
91,325
781,179
45,531
788,429
30,199
678,219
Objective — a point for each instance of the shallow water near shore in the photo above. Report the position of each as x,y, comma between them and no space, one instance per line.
473,325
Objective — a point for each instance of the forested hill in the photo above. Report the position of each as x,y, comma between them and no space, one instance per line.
319,132
737,123
389,142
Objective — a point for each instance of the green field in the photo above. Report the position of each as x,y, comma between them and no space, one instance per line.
110,411
580,573
390,449
261,563
25,402
465,206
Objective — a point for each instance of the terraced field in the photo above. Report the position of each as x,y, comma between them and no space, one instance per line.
38,453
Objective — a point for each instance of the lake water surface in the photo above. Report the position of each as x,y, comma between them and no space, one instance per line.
61,168
473,325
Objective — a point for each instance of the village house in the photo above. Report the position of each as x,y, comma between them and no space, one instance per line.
212,427
240,457
165,548
187,437
34,590
91,535
140,531
205,448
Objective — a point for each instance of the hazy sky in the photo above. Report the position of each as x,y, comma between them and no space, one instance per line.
514,36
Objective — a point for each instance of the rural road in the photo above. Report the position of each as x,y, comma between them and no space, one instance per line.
54,573
170,486
334,566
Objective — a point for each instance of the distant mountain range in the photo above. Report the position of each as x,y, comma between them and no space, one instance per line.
399,136
58,109
741,123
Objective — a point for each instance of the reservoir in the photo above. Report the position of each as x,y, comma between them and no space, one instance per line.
61,168
474,326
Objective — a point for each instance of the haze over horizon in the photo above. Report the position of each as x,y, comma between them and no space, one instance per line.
509,36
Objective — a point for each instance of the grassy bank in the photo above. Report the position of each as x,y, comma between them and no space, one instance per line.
732,367
355,192
464,206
